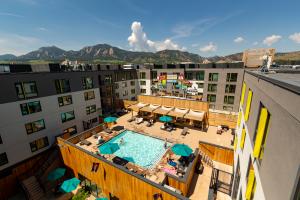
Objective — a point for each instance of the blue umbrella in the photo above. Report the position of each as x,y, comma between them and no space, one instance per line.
69,185
109,148
56,174
110,119
129,159
182,149
165,118
102,198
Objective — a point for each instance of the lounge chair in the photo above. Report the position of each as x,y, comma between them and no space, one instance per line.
184,131
107,130
163,127
139,120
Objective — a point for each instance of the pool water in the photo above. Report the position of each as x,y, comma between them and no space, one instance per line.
140,149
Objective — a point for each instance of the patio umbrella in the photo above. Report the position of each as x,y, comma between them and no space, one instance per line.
110,119
165,118
109,148
56,174
102,198
129,159
182,150
69,185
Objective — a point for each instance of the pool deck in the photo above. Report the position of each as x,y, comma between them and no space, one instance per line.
200,183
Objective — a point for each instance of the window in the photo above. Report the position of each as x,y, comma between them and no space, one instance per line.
153,74
90,109
261,132
142,75
236,181
212,106
26,90
62,86
231,77
200,76
211,98
251,182
200,85
72,130
228,108
189,75
132,91
89,95
108,79
117,95
36,126
30,107
124,84
248,105
132,83
87,83
212,88
142,82
64,100
213,76
228,99
94,120
1,142
230,88
39,144
3,159
143,91
67,116
116,86
125,93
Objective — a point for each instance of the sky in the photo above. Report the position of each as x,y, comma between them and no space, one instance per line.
207,28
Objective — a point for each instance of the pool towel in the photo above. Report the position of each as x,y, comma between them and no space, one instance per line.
170,171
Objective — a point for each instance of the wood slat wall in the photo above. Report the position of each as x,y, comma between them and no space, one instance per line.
9,184
183,186
217,153
110,178
216,119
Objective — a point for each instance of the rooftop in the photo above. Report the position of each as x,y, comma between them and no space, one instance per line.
288,79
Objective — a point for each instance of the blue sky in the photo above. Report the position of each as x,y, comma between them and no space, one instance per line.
208,28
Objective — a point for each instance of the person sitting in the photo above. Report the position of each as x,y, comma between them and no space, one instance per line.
100,140
166,144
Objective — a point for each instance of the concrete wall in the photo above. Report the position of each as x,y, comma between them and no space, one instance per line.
278,172
12,127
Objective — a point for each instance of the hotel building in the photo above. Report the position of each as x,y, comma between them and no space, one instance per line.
267,159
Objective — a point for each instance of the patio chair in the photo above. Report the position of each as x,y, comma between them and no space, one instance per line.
184,131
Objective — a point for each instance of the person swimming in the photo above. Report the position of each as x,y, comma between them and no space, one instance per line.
121,141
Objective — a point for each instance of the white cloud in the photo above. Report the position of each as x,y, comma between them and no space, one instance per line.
271,39
139,41
18,44
239,40
295,37
42,29
211,47
255,43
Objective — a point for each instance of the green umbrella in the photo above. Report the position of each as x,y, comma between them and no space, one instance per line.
109,148
110,119
69,185
56,174
182,150
165,118
102,198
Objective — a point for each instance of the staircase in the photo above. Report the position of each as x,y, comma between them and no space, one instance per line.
33,189
46,164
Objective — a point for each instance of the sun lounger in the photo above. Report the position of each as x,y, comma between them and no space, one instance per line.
107,130
184,131
139,120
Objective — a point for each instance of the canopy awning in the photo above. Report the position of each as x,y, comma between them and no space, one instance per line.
195,115
150,108
137,107
163,110
178,112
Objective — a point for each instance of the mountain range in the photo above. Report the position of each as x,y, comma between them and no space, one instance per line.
104,53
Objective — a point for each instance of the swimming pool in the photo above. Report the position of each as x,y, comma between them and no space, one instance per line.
140,149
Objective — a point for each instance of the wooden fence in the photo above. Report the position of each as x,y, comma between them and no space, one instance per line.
216,119
217,153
